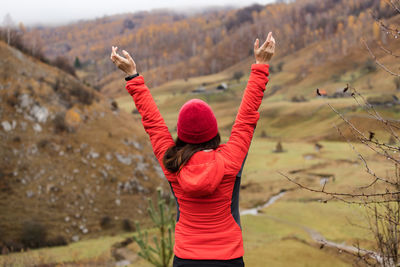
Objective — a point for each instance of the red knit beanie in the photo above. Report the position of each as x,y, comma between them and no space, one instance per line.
196,122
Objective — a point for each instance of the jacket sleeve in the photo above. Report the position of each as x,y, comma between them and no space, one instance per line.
152,120
235,150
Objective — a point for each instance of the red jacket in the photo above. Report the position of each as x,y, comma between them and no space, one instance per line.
207,188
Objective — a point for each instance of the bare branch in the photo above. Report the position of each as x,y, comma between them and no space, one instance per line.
379,63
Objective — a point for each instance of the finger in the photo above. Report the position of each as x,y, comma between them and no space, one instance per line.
114,51
126,54
273,39
267,41
265,44
269,36
256,44
114,59
120,58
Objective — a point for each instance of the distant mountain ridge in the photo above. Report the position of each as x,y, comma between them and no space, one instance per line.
169,46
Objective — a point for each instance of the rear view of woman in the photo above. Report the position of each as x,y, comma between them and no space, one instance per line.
204,175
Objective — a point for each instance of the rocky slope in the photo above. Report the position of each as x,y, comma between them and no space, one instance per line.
71,161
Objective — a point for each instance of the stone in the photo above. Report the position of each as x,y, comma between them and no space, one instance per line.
123,159
75,238
6,126
141,166
92,154
122,263
104,173
30,194
83,146
23,125
32,149
39,113
25,101
37,128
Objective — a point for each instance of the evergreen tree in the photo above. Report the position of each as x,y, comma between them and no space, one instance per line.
77,63
164,220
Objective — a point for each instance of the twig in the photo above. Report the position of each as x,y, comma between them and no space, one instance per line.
379,63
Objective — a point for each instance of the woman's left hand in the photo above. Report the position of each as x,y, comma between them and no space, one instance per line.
127,64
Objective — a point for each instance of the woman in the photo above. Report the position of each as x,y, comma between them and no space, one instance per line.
204,175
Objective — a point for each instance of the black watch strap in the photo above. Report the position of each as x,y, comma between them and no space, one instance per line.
130,77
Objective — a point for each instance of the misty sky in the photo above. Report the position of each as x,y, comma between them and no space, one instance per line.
58,12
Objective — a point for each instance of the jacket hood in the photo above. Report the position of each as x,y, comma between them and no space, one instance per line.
202,173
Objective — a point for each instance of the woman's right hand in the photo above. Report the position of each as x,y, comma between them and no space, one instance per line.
264,53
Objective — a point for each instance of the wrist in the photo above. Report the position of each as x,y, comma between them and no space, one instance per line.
130,73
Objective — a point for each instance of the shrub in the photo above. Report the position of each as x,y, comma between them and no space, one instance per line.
271,69
83,95
33,234
59,123
397,83
335,77
263,134
127,225
43,143
13,246
370,66
63,64
382,100
280,66
238,75
12,99
58,240
105,222
56,85
114,105
299,98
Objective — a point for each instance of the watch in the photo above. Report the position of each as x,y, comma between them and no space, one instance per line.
130,77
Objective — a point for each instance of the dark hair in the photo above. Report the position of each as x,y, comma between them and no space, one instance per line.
178,155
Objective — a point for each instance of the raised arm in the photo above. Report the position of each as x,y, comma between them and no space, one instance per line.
246,120
152,120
